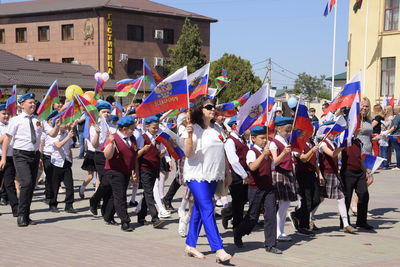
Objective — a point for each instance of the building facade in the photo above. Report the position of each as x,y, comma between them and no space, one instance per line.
111,36
382,44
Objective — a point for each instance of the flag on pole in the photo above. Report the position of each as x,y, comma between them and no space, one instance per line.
391,101
357,5
198,82
346,96
302,128
371,162
98,90
329,6
151,75
126,86
104,131
46,107
72,112
229,109
117,110
385,101
171,141
353,123
91,110
11,104
171,93
252,109
332,128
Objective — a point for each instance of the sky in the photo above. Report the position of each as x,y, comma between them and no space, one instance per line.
295,34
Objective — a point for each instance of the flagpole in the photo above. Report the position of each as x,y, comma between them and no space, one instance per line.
365,47
294,121
267,110
334,52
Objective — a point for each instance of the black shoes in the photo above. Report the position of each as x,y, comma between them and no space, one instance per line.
22,221
304,232
70,210
81,194
112,222
143,222
133,204
167,204
158,224
237,239
273,250
126,227
93,210
365,226
294,219
54,209
3,202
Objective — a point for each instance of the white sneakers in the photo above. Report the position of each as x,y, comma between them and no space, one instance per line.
164,214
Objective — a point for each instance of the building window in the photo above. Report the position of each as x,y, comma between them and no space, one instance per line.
67,32
44,34
391,15
135,66
388,76
135,33
168,36
2,36
44,59
20,34
67,60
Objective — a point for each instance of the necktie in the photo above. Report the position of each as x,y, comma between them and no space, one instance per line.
126,141
33,133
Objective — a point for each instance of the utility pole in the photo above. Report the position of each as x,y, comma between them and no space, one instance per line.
268,74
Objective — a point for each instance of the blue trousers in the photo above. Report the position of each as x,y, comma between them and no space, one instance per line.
396,146
383,153
203,214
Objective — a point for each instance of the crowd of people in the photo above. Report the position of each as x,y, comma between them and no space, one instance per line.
257,167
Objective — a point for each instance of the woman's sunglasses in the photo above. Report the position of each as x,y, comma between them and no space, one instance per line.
209,107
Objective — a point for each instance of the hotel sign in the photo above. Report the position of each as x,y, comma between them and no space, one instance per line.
110,44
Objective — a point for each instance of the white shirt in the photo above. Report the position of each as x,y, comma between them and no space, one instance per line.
232,157
123,137
328,117
19,128
3,131
139,138
207,162
60,155
251,155
102,137
324,144
48,147
272,144
152,138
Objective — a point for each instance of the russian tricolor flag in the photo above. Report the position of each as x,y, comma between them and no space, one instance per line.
333,128
329,6
171,141
302,128
371,162
11,104
198,82
353,123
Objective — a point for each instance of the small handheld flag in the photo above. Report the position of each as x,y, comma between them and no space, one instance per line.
198,82
126,86
302,128
353,123
151,75
46,107
171,141
11,104
72,112
371,162
98,90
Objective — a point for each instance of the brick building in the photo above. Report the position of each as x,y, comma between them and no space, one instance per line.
110,35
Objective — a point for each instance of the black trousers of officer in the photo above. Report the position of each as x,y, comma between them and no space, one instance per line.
309,190
239,198
355,181
148,179
64,174
7,176
257,199
48,170
26,165
104,190
117,202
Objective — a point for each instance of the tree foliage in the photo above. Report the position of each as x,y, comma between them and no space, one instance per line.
187,51
240,74
310,86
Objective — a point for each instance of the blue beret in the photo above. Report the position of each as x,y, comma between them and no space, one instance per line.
114,118
280,121
151,119
26,97
2,106
52,115
232,121
258,130
328,123
101,104
126,121
131,111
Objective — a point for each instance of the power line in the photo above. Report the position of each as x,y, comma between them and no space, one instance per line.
265,60
277,72
285,69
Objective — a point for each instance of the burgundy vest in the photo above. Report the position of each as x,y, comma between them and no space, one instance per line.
124,158
286,163
241,152
150,161
309,166
351,156
328,164
262,177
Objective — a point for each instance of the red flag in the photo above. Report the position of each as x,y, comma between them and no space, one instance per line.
391,101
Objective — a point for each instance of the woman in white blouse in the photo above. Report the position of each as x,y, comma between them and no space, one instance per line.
204,167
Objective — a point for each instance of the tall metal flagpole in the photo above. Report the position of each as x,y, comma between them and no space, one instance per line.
334,52
364,81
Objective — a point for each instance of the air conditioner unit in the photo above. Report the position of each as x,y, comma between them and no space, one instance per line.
123,57
76,62
158,62
158,34
30,57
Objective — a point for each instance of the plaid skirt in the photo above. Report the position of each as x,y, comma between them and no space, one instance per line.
333,188
286,186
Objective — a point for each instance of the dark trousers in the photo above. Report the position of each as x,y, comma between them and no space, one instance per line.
119,184
26,165
48,170
355,180
8,177
239,198
63,174
396,146
383,152
257,199
148,179
310,197
173,188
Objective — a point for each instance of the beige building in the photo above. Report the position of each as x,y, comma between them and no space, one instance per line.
382,47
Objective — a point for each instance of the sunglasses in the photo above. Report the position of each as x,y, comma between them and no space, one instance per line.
209,107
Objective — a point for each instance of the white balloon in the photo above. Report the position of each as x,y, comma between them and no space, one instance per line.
97,75
105,76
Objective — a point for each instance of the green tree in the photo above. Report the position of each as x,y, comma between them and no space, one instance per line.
310,86
187,51
240,74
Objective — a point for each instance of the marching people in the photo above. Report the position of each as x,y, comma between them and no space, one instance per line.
26,130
